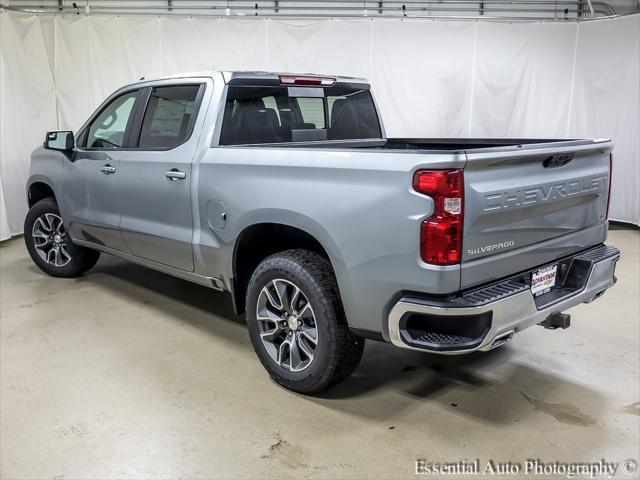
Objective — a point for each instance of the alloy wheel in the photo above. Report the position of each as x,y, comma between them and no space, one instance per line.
50,240
287,325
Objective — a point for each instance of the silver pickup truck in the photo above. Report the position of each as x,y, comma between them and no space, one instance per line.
284,190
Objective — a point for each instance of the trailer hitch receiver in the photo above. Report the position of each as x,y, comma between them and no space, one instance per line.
556,320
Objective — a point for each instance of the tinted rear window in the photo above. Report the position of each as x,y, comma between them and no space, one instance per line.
276,114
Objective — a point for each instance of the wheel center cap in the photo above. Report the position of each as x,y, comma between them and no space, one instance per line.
292,322
57,238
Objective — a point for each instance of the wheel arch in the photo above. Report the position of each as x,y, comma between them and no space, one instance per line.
39,188
257,241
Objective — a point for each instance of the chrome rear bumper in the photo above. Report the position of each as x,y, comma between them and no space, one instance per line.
510,305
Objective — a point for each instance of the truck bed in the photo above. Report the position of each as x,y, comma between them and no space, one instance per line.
451,145
459,144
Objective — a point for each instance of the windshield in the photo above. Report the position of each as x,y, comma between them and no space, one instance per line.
278,114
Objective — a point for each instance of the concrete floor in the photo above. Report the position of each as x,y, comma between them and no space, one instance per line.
134,374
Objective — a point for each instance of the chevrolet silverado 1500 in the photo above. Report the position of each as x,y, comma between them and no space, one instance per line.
284,190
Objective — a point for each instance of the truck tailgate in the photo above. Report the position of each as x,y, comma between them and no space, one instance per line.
531,204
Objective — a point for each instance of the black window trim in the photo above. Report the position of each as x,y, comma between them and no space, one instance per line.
84,131
140,114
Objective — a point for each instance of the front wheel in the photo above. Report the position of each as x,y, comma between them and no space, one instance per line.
297,324
49,245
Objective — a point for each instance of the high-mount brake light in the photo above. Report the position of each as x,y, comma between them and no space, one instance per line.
441,233
307,80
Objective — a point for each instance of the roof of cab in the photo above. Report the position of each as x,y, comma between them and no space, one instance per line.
249,77
209,74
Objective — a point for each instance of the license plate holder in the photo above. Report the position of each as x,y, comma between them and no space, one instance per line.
543,280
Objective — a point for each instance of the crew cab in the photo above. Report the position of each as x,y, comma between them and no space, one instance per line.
284,191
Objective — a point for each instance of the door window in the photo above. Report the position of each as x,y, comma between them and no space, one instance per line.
168,120
108,129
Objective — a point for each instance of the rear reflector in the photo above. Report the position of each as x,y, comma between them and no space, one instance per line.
441,233
307,80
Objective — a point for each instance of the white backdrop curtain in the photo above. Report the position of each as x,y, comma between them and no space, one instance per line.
431,78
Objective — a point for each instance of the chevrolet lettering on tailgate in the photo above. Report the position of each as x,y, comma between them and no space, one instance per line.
544,193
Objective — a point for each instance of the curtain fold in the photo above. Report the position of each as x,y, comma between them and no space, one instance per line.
606,103
430,78
422,76
27,109
5,232
523,80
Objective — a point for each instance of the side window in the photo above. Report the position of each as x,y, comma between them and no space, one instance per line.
108,128
312,110
270,102
168,120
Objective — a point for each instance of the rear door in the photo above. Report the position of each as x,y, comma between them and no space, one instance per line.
531,204
155,178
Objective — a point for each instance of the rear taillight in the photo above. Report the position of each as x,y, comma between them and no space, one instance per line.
609,191
441,233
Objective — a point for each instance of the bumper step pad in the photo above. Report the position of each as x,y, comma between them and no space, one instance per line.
443,339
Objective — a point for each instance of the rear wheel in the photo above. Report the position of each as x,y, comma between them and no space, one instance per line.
49,245
297,324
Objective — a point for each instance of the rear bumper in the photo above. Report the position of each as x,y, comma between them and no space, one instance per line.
484,318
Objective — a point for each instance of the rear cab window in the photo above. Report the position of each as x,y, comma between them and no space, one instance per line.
282,114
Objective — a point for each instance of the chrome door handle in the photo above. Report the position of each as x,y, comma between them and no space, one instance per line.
174,175
108,169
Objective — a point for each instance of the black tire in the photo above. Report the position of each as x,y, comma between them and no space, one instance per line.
338,351
77,259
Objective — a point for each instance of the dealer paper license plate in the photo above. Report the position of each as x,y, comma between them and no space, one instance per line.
543,280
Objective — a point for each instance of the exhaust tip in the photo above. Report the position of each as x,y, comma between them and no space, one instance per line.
597,296
502,339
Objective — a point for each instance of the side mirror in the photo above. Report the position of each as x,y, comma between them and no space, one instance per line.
62,141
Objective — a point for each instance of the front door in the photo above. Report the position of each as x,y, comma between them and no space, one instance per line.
90,191
154,186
